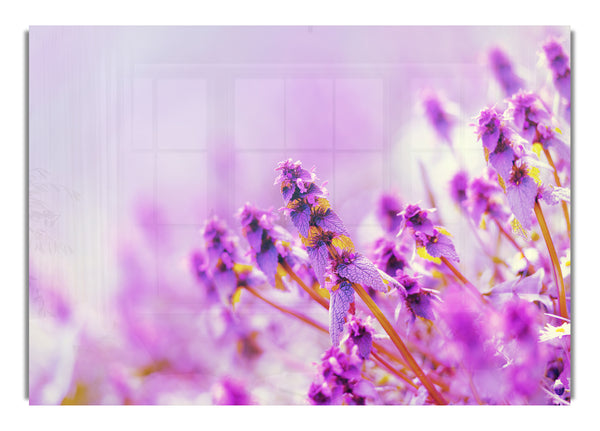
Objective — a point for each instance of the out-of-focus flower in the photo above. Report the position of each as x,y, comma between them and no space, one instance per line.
503,71
438,115
533,121
484,196
389,256
458,187
419,301
558,62
229,391
388,207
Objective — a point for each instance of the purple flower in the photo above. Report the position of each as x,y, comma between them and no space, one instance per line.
458,187
502,69
521,320
416,219
220,244
437,245
558,62
389,256
527,111
292,177
418,300
339,379
484,196
297,182
488,127
438,116
388,207
360,333
229,391
521,193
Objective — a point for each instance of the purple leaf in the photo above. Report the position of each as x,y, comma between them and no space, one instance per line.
338,307
521,199
254,238
267,262
319,258
503,162
301,217
287,192
362,271
442,246
332,223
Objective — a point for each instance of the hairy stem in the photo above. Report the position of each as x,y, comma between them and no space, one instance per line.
558,278
404,352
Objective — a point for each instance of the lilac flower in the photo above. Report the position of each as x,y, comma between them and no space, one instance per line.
229,391
437,245
527,110
441,120
416,219
469,329
502,69
485,197
360,333
488,127
534,122
389,256
558,62
458,187
258,228
419,301
296,182
521,193
388,207
220,244
339,379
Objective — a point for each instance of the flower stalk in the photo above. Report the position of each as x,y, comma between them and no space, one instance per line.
387,326
558,278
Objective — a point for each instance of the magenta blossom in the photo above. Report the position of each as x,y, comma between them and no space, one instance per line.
503,71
